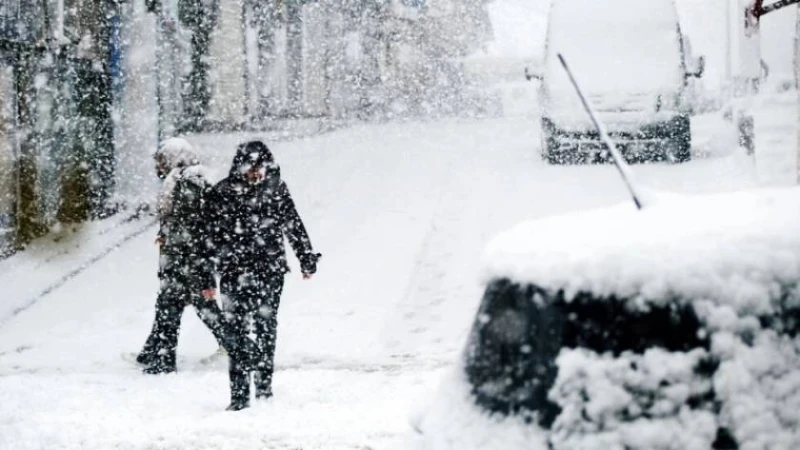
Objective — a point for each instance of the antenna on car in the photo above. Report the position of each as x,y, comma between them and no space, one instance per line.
622,166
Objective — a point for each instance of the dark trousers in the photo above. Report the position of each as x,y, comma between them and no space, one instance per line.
174,296
256,299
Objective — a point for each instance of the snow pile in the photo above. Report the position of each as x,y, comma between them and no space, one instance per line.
452,422
669,400
758,386
633,401
656,400
741,250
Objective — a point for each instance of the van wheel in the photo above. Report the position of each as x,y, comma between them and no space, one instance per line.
551,153
678,148
553,158
677,152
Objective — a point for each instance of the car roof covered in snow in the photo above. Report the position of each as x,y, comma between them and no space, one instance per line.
740,249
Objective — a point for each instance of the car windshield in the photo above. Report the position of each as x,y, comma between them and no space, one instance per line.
520,330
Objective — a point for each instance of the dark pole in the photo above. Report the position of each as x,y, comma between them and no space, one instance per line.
155,7
294,35
99,109
200,17
266,18
248,91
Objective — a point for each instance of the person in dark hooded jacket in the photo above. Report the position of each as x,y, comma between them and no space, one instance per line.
251,212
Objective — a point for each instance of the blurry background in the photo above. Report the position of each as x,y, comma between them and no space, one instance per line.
88,87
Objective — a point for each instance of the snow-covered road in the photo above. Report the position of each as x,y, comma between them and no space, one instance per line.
400,212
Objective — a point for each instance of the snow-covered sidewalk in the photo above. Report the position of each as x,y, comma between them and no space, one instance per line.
50,262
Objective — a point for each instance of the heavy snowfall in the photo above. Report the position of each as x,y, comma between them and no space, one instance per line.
401,186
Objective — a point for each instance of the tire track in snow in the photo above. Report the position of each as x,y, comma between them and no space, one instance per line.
483,192
417,327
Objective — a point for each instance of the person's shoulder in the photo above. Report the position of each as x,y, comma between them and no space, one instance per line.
224,186
200,176
281,192
283,188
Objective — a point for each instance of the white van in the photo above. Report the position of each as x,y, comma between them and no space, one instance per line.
635,66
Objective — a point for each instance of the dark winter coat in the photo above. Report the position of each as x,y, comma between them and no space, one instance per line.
183,229
249,221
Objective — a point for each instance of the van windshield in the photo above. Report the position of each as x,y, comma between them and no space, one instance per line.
627,46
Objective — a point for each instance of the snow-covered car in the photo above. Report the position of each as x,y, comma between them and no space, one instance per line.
634,63
674,327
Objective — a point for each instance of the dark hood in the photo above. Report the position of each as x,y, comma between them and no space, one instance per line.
249,154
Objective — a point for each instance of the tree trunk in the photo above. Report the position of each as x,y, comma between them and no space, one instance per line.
93,161
200,18
30,220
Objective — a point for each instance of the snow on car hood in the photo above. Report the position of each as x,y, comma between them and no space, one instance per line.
739,250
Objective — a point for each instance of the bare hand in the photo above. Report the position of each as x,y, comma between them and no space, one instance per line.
209,294
307,276
160,241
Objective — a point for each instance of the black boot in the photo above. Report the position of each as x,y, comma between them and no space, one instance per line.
263,383
238,405
162,363
240,389
263,396
158,369
145,358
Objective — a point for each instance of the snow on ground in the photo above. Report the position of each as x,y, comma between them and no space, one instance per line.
400,212
775,118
